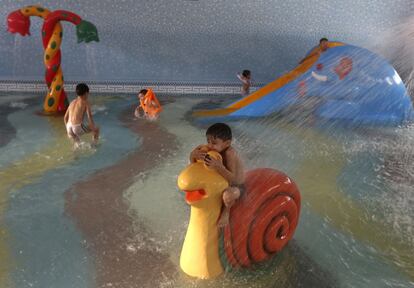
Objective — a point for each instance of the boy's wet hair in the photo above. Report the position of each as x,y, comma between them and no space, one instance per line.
143,91
323,39
246,73
82,89
219,130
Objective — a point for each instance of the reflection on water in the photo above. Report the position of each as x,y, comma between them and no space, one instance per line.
318,158
39,245
356,227
155,198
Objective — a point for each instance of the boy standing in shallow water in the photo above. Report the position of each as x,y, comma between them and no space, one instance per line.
219,138
245,79
76,112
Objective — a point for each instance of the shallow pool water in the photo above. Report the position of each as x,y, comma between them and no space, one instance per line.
112,216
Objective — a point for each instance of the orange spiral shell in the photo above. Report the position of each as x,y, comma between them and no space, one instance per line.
264,219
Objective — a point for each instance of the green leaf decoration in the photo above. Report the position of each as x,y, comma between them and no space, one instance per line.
86,32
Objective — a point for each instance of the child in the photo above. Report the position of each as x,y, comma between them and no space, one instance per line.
148,104
219,138
74,116
245,79
139,111
323,46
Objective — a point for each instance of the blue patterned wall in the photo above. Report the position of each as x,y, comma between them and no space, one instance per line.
189,40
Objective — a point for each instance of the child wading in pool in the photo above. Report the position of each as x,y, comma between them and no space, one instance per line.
219,138
76,112
139,111
148,107
245,79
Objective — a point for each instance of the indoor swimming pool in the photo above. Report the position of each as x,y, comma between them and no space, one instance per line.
112,216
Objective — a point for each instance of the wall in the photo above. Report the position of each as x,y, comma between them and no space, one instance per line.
194,41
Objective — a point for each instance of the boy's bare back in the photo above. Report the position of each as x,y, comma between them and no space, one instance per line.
77,109
76,112
234,164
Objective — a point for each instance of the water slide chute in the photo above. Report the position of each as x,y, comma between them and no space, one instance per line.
350,84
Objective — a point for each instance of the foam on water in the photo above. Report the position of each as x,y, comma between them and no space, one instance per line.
20,105
272,143
376,173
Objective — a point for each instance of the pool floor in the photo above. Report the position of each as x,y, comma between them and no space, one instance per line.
112,216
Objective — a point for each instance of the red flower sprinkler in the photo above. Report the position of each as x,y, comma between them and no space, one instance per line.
19,22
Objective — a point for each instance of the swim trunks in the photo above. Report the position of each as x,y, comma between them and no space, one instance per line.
76,130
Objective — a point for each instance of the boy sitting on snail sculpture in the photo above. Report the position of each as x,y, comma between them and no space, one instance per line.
261,222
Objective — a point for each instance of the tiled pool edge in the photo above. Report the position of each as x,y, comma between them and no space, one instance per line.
131,87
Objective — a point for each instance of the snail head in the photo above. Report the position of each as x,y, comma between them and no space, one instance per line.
201,183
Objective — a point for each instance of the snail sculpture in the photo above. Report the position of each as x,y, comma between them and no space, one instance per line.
262,221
